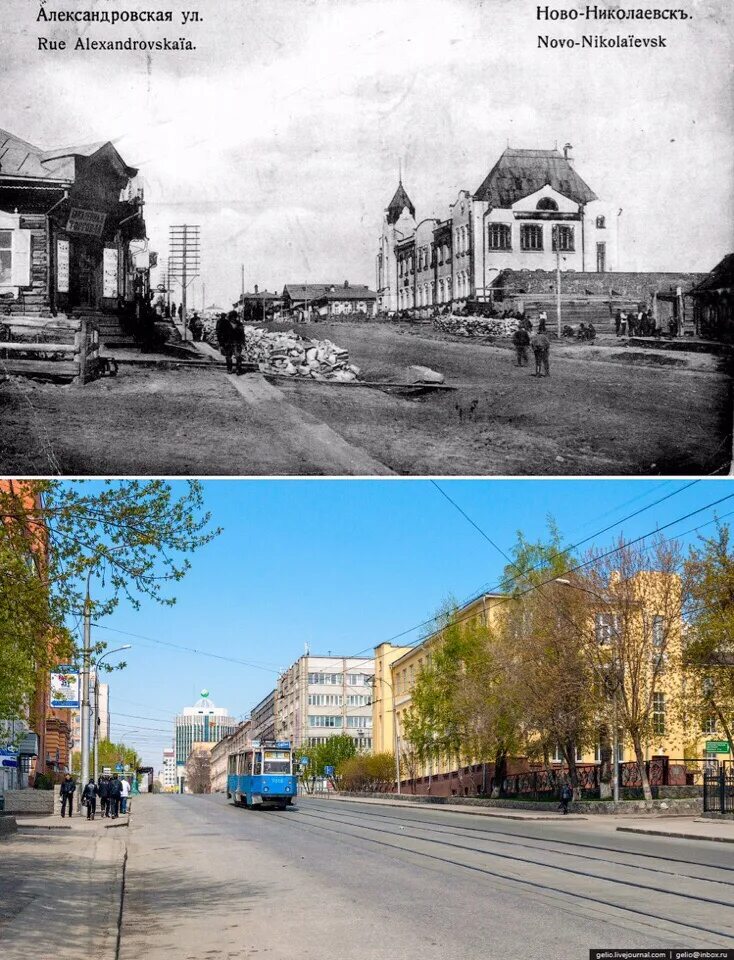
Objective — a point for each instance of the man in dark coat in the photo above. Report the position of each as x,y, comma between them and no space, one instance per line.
231,337
521,340
115,794
541,348
103,792
67,795
89,797
566,797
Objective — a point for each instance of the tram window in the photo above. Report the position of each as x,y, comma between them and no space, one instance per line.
257,765
276,761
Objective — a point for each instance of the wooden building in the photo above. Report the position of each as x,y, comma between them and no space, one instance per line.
71,226
713,302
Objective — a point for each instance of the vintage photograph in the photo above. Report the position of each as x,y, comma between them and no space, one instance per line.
340,237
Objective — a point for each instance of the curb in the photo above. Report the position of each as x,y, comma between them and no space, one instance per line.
451,808
680,836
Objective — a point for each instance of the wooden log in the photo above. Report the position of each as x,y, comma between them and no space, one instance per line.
37,347
57,368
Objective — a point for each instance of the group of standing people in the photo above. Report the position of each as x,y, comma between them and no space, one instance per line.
641,323
540,344
113,793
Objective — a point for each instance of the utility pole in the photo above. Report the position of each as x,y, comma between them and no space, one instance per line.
85,688
184,261
557,238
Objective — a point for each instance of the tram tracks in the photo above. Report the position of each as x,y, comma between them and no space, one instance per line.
407,843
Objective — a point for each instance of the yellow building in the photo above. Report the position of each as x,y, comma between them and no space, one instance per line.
653,627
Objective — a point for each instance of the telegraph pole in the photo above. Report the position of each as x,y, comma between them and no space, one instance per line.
557,238
184,260
85,688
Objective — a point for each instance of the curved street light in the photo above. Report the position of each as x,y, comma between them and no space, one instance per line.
126,646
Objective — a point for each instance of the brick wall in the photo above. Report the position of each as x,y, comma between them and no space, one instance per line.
630,286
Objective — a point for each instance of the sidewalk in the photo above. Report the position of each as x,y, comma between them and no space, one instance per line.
499,813
60,889
684,828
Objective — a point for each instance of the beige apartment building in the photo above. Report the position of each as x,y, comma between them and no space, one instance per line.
319,697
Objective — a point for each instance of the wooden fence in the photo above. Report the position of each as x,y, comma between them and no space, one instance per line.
50,348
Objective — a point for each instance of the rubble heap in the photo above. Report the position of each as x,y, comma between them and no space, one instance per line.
477,326
292,355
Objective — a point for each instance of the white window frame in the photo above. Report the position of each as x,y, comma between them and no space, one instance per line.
20,254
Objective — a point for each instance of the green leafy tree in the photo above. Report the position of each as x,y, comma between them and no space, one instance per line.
709,652
130,539
110,754
367,772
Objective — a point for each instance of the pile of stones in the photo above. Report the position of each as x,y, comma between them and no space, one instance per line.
477,326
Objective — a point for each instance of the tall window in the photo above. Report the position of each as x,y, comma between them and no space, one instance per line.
563,238
6,257
601,223
658,632
658,714
708,725
607,626
531,236
500,236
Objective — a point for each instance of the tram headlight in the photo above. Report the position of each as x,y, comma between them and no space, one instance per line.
266,789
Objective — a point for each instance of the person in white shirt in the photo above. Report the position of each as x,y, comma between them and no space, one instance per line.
124,795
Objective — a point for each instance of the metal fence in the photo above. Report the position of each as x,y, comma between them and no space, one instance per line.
718,789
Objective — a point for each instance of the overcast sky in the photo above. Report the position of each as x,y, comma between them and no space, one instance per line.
281,134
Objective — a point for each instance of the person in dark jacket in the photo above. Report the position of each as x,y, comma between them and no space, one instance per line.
521,340
67,795
566,797
541,348
231,337
115,794
89,797
103,792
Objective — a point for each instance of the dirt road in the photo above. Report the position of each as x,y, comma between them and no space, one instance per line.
621,413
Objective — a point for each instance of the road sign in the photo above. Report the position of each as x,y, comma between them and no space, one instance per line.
717,746
304,761
119,767
329,771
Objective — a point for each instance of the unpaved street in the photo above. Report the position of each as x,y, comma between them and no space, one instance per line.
602,411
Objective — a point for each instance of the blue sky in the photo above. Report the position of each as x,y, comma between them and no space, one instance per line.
343,565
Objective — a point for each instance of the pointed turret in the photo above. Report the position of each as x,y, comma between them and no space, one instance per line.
400,202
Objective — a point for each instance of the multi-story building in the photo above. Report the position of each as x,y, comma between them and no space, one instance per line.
262,717
319,697
202,723
168,773
103,728
235,743
655,633
531,212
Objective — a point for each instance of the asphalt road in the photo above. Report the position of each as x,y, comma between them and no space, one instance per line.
348,880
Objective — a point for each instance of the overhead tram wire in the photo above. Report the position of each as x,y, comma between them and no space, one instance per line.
573,569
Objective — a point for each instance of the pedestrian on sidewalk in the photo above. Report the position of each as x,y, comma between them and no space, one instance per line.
115,794
566,797
89,798
67,795
521,340
125,793
103,792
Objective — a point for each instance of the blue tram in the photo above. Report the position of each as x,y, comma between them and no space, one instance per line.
262,775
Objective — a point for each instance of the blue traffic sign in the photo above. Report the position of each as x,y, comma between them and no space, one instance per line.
329,771
119,767
304,761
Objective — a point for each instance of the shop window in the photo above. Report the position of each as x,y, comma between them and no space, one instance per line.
531,236
500,236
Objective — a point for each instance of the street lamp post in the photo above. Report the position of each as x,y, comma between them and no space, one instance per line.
95,738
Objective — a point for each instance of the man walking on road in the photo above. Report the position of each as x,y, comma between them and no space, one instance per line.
541,348
231,337
115,794
566,797
67,795
89,797
125,788
103,792
521,340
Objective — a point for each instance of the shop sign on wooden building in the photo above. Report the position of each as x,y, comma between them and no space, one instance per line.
88,222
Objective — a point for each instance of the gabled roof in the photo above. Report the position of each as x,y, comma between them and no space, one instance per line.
399,202
518,173
22,159
327,291
720,278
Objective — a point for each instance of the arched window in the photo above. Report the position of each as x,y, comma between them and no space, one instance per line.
546,203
